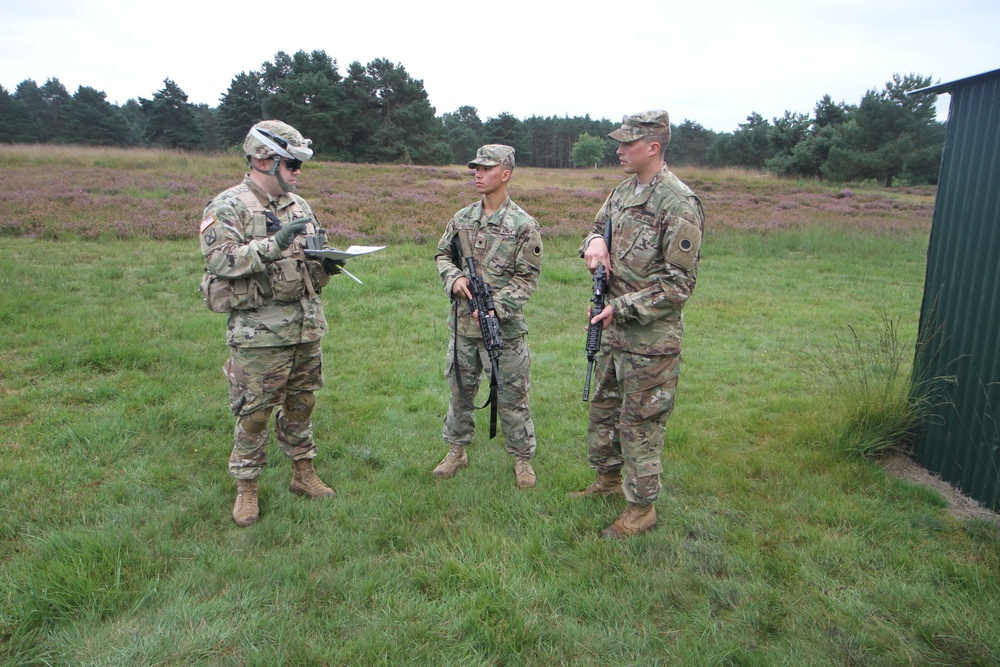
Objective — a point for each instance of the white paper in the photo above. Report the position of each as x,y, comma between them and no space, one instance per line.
353,251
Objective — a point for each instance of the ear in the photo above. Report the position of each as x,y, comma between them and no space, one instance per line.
506,175
650,147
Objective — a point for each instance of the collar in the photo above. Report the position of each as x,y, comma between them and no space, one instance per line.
498,215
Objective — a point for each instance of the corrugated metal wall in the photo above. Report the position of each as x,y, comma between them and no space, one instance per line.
960,314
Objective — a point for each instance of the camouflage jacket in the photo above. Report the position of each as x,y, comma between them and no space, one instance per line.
275,292
655,250
507,247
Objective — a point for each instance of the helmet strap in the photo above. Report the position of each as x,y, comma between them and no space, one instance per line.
285,187
273,171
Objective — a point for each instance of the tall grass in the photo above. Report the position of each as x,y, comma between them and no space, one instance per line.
881,401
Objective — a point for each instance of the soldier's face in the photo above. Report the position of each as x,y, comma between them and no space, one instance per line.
490,179
636,156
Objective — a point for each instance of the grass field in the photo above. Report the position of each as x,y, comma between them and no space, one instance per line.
776,546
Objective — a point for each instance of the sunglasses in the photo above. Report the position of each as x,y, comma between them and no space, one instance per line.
293,165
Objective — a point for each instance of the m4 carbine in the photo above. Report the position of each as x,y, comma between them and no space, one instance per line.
489,327
489,323
597,305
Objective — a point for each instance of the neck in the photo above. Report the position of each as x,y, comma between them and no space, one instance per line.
649,173
265,182
494,200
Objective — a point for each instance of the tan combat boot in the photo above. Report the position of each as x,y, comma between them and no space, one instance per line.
634,520
455,459
606,484
524,473
306,483
245,509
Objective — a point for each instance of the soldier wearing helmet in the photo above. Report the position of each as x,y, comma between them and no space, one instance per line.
253,238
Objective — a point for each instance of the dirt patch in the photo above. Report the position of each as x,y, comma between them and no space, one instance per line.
961,506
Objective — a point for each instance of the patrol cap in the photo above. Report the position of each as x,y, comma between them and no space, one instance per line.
491,155
645,124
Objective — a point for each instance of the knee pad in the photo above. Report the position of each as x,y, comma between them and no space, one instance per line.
255,422
299,406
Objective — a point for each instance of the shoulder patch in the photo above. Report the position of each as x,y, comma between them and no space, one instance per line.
685,245
206,223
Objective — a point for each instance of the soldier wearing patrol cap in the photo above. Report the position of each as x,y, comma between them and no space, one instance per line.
506,244
252,239
652,264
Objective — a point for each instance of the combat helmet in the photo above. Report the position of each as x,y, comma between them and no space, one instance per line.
274,140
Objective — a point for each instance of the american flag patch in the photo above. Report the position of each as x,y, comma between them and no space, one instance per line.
206,223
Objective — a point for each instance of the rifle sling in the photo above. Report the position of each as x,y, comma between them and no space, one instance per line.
492,400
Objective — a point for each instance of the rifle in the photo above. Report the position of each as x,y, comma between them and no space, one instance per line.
489,323
489,327
594,331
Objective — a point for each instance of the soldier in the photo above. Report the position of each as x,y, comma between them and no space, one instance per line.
657,225
257,271
507,247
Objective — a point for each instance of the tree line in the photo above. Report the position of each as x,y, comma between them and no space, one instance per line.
378,113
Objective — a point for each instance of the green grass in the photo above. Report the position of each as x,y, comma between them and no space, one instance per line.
775,548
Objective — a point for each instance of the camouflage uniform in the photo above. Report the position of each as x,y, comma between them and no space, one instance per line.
275,322
507,247
654,254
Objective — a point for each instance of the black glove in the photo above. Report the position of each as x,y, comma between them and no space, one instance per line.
284,236
332,266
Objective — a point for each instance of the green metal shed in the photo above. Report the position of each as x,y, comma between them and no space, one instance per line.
960,315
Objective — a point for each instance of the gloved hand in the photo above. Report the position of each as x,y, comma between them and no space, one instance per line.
332,266
284,236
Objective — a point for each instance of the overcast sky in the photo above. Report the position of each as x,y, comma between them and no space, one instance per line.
711,61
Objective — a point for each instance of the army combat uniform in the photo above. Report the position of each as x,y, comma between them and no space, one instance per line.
275,321
507,248
654,254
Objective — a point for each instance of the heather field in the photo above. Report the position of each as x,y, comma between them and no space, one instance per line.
777,545
68,193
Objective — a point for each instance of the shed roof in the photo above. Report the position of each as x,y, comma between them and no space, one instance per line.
946,87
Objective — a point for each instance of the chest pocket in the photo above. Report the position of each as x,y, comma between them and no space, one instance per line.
501,252
639,240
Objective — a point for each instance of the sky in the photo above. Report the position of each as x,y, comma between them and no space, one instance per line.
710,61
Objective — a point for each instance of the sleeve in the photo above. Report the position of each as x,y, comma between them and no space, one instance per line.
527,271
597,231
227,251
447,269
681,248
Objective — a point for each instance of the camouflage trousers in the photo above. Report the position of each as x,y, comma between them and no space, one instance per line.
628,418
260,379
512,407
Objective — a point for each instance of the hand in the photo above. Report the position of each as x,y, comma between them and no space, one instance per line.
597,254
475,316
332,266
461,287
604,317
284,236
